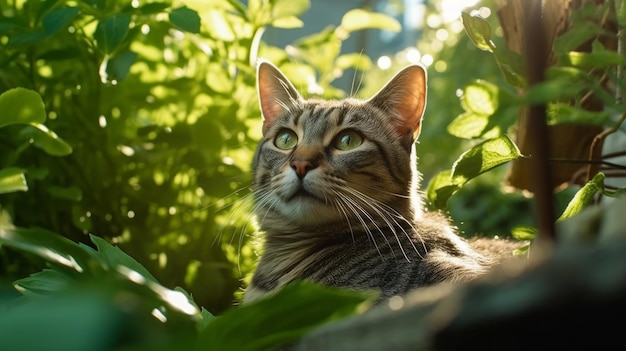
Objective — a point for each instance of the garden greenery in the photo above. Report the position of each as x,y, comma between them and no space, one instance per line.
126,131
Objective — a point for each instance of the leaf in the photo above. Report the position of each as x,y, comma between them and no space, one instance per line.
576,36
69,193
583,197
552,90
21,105
280,317
48,141
118,67
483,157
481,97
11,180
44,282
478,31
561,113
358,19
354,60
440,188
152,8
523,233
468,125
185,19
58,19
288,8
113,257
52,247
111,31
593,60
288,22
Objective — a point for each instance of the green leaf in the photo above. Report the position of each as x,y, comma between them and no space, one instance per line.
44,282
288,22
52,247
118,67
478,31
152,8
11,180
576,36
523,233
58,19
185,19
279,318
218,27
583,197
358,19
21,105
481,97
441,187
552,90
483,157
48,141
69,193
111,31
288,8
593,60
354,60
468,125
113,257
512,66
560,113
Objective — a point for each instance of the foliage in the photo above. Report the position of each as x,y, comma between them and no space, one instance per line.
150,116
490,109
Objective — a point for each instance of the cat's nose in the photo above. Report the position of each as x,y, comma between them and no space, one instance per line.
302,166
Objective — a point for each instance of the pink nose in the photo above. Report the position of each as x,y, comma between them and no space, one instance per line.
302,166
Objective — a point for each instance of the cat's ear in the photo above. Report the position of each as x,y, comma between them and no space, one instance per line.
276,93
404,98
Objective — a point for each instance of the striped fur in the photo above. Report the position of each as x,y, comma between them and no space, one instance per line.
348,218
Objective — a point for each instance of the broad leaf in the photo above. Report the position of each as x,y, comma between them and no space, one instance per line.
185,19
11,180
583,197
21,105
111,31
440,188
481,97
58,19
281,317
113,257
523,233
48,141
483,157
44,282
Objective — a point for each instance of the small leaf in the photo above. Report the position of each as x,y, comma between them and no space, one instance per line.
118,67
288,8
524,233
478,31
271,322
358,19
152,8
21,105
111,31
11,180
354,60
48,141
185,19
576,36
583,197
288,22
561,113
593,60
483,157
552,90
58,19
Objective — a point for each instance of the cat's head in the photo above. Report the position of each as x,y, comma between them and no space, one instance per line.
349,161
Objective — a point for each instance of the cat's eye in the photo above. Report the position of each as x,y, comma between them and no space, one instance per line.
347,140
286,139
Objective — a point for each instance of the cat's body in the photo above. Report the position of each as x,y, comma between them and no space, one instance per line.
336,195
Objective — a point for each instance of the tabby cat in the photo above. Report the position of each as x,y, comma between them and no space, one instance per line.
336,194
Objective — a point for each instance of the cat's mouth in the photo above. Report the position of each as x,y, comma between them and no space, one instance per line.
302,194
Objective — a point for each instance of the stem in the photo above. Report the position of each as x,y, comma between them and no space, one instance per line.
536,56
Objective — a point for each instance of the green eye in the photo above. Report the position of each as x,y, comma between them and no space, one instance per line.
347,140
286,139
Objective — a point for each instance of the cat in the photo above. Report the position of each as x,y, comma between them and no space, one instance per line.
336,193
